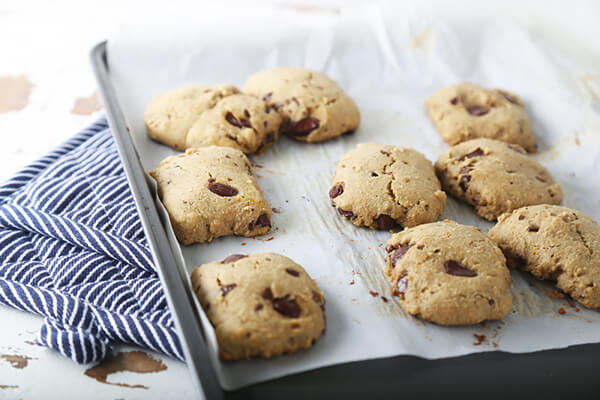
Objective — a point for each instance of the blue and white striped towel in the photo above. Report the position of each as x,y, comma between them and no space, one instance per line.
72,249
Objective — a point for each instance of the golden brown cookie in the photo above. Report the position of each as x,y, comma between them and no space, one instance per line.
448,273
210,192
466,111
380,186
495,177
197,116
554,243
260,305
314,108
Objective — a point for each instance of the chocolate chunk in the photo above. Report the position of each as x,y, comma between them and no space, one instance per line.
348,214
336,190
241,123
521,217
491,302
455,268
508,97
262,221
227,288
222,189
267,294
399,252
477,110
286,306
533,228
258,307
303,127
464,182
475,153
292,272
233,258
402,284
385,222
454,101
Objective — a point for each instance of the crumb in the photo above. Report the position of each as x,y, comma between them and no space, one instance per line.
557,295
561,311
243,243
374,294
352,282
480,339
385,299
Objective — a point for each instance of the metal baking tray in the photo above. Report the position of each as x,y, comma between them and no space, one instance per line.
549,374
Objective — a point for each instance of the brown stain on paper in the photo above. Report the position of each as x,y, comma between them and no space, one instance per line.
14,93
132,361
16,361
87,105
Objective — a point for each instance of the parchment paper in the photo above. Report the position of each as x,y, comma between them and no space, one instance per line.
389,59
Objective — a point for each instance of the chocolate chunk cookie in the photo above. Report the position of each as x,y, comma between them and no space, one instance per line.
448,273
380,186
260,305
196,116
495,177
554,243
210,192
466,111
314,108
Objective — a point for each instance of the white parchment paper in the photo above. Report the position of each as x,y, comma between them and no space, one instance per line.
389,58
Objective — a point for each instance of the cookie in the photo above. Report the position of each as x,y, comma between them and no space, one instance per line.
210,192
495,177
380,186
197,116
466,111
260,305
314,108
554,243
448,273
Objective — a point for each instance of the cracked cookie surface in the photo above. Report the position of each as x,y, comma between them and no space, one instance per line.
313,107
380,186
210,192
196,116
449,274
555,243
260,305
495,177
467,111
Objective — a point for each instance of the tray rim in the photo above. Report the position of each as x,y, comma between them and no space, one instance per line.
179,297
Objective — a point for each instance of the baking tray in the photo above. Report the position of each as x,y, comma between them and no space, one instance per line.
551,373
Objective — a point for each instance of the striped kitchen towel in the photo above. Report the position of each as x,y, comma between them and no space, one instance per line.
72,249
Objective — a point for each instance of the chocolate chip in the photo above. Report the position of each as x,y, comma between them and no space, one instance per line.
258,307
336,190
399,252
454,101
533,228
267,294
227,288
303,127
286,306
347,214
262,221
491,302
509,98
247,114
455,268
241,123
477,110
233,258
521,217
475,153
464,182
292,272
385,222
222,190
402,284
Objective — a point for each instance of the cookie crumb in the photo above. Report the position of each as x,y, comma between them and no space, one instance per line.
562,311
480,339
